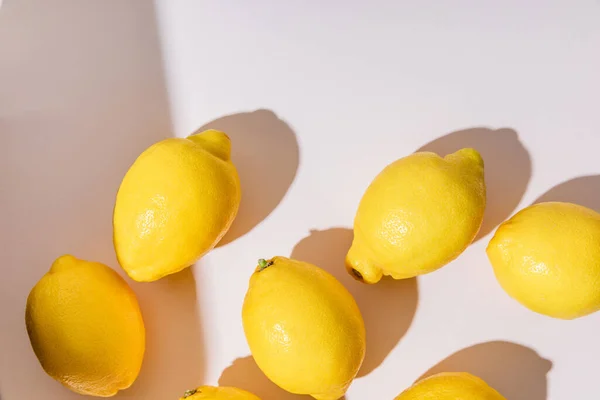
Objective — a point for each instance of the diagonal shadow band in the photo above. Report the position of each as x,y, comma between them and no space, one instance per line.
265,152
584,190
507,168
79,102
173,362
516,371
388,308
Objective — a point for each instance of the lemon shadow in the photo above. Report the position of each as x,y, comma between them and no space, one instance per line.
584,190
266,154
245,374
174,345
387,307
516,371
83,94
507,168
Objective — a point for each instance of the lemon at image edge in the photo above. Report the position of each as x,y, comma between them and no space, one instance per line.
450,386
174,204
547,257
418,214
218,393
85,327
304,328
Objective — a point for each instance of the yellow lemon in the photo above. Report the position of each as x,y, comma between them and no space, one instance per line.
547,257
417,215
85,327
304,328
218,393
175,203
450,386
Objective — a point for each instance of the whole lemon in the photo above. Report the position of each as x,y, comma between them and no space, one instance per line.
85,327
304,328
218,393
417,215
547,257
175,203
450,386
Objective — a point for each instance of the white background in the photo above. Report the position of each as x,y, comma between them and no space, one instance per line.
318,96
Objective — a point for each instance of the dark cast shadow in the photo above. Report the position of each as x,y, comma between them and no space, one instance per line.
265,152
173,362
82,95
584,190
387,307
516,371
245,374
507,168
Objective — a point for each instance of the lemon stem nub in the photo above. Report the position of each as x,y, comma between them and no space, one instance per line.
189,393
357,275
262,264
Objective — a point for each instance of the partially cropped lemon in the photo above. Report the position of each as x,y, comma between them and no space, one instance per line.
450,386
218,393
175,203
85,327
304,328
547,257
417,215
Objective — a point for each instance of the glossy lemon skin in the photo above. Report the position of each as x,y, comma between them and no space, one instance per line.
174,204
86,327
547,257
417,215
218,393
450,386
304,329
